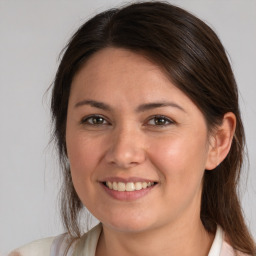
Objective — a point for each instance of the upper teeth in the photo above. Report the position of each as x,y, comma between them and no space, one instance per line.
129,186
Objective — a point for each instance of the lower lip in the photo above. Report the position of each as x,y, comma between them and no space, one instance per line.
127,195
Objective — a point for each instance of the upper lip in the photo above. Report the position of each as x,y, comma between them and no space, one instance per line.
126,180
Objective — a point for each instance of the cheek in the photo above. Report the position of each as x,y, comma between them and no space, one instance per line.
180,160
180,166
83,156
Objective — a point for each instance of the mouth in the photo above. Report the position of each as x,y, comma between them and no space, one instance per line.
128,186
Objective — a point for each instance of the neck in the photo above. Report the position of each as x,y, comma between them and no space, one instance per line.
167,240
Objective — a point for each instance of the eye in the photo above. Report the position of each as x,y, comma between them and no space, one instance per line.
94,120
159,120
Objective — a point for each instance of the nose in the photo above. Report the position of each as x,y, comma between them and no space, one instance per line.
127,149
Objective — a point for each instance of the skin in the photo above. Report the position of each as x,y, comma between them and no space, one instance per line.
127,142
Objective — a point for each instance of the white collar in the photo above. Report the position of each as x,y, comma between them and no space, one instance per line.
217,242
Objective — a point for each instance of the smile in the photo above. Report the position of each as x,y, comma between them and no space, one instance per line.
129,186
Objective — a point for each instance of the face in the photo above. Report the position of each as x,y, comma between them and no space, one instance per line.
137,145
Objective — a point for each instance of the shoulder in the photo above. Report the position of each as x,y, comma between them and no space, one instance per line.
40,247
221,245
228,250
60,244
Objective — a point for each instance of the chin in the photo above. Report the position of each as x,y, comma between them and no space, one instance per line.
128,224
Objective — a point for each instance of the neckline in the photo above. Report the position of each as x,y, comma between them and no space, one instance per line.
88,242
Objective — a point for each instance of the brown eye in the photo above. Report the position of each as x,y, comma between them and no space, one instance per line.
94,120
160,121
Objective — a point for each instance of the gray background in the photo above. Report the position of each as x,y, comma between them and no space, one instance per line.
32,34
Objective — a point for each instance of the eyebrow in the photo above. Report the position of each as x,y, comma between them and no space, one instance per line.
140,108
93,103
148,106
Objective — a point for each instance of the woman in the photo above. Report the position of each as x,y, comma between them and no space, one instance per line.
150,138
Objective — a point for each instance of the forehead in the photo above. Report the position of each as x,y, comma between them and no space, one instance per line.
115,62
120,76
121,67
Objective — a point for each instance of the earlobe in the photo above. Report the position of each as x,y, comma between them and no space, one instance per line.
221,141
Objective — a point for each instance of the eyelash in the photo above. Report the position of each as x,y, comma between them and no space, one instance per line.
89,120
86,121
166,120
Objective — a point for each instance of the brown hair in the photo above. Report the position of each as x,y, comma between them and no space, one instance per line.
193,57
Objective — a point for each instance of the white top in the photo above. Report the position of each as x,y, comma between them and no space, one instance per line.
86,246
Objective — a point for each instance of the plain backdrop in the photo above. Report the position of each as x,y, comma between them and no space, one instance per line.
32,34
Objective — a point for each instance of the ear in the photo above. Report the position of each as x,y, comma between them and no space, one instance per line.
220,141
